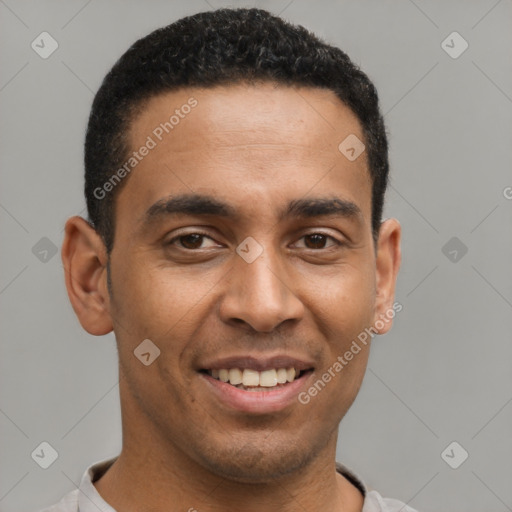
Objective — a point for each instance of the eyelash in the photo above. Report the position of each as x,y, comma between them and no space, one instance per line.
205,235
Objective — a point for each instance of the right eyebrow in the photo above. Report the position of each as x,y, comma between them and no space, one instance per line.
185,204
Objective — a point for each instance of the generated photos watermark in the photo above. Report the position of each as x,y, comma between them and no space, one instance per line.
157,135
343,360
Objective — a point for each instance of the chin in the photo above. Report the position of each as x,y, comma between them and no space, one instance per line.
257,464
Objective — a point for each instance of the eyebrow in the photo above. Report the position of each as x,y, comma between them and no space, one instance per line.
195,204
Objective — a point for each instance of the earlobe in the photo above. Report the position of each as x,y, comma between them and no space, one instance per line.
84,259
387,266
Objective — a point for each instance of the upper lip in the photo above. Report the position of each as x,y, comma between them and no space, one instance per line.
258,363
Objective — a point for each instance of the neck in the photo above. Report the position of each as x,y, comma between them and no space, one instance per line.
150,481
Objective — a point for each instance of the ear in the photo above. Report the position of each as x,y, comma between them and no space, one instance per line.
84,257
387,265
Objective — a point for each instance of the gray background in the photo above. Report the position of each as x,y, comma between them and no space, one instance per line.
443,374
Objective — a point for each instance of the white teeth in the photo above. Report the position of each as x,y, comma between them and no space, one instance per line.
268,378
235,376
281,375
253,378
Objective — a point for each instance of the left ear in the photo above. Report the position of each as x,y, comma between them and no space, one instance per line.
387,264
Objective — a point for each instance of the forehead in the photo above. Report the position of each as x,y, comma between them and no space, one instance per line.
245,113
263,142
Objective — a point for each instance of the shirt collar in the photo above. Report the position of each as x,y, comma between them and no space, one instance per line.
89,499
352,478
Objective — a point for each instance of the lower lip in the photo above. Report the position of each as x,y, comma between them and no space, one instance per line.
258,402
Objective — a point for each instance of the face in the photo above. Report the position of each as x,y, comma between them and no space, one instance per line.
243,250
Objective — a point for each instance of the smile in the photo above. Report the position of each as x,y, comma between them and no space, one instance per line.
253,380
255,387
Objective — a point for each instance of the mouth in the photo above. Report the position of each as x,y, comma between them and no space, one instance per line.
251,385
253,380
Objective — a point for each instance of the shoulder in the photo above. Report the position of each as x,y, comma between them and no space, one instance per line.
69,503
374,502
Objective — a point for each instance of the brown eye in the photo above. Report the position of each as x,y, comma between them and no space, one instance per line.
315,241
318,241
192,241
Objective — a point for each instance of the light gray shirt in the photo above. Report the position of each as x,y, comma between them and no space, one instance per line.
87,499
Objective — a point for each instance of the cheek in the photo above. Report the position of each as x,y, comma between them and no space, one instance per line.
343,301
343,308
157,299
161,305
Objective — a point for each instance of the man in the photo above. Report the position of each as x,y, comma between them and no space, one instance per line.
235,176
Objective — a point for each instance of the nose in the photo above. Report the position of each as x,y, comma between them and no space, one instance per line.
259,294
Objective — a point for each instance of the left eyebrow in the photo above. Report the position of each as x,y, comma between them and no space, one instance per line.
195,204
318,207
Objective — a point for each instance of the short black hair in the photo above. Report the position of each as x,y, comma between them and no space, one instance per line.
220,47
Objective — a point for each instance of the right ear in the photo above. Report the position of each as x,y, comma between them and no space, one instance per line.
84,257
